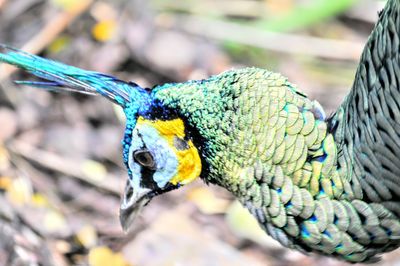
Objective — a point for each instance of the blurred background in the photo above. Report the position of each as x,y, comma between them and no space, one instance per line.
61,171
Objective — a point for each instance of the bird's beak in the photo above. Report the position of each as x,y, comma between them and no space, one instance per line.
132,202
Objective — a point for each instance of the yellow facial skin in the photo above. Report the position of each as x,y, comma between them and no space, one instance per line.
189,163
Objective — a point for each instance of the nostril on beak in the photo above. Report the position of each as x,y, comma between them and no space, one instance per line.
129,193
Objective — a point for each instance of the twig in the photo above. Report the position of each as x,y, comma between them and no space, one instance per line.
279,42
50,32
66,166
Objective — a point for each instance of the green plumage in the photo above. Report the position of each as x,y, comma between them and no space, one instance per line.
330,186
271,147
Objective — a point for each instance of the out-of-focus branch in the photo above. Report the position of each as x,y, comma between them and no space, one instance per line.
279,42
49,32
66,166
222,7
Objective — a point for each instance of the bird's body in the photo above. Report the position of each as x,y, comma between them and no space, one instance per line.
314,184
273,148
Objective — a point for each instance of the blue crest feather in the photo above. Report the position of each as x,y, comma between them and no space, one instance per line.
61,77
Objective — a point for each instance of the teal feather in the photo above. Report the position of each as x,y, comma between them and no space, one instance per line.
71,78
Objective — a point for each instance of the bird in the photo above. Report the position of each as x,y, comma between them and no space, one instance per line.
315,183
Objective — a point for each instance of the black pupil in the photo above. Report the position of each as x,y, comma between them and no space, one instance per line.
144,158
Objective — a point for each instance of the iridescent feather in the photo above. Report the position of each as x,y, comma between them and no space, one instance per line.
329,186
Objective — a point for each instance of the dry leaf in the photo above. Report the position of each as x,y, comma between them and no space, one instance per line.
20,191
103,256
62,246
54,221
87,236
5,182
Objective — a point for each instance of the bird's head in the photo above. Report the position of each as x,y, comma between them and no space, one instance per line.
158,153
160,157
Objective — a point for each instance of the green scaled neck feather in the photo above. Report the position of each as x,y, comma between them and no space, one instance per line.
246,117
330,186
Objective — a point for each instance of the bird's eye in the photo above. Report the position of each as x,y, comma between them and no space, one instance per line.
144,158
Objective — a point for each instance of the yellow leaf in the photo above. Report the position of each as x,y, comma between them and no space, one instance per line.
94,170
103,256
5,182
87,236
104,30
54,221
39,200
20,191
207,202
